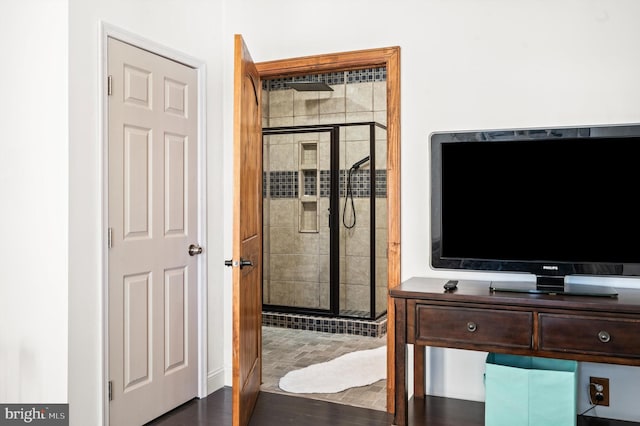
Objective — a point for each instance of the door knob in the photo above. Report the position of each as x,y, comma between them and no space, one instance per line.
242,263
194,249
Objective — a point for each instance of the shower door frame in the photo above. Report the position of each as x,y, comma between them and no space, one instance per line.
334,218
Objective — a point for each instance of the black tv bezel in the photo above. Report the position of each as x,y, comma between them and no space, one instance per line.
549,276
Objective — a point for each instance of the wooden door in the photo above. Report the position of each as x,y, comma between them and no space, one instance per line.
247,317
152,216
247,236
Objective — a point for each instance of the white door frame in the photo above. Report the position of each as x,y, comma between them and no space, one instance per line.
110,31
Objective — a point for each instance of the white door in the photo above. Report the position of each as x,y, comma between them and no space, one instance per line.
152,223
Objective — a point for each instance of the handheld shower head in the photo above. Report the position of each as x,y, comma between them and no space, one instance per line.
357,164
349,194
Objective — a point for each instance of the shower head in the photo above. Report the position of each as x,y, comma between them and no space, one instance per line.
357,164
309,86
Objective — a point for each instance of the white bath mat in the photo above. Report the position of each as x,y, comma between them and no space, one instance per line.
360,368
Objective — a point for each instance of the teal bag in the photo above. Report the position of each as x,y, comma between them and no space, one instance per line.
530,391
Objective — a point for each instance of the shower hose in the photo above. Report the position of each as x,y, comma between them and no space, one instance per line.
349,195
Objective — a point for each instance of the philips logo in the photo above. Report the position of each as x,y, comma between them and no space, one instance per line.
550,267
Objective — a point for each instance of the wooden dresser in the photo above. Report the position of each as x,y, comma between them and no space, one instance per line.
595,329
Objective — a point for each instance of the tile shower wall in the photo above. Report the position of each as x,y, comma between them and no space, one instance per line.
297,263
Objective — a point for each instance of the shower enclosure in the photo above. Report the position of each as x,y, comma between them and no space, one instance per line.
325,219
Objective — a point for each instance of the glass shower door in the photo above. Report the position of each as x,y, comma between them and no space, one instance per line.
355,166
325,226
296,220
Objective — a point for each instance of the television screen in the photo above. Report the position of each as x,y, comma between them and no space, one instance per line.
551,202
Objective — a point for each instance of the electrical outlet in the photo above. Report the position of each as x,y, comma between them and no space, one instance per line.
599,391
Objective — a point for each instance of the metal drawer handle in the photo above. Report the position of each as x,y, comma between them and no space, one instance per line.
604,337
471,327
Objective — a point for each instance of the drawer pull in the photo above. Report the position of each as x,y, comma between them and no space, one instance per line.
604,337
471,327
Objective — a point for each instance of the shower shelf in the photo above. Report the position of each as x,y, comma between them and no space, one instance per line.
309,155
308,216
308,189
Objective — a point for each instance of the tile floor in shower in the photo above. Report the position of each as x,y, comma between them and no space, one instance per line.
284,350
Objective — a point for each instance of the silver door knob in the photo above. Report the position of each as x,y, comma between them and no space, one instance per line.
194,249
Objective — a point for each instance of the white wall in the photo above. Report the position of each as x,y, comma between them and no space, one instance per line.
465,65
194,29
33,190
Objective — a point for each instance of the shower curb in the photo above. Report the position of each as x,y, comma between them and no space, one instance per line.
360,327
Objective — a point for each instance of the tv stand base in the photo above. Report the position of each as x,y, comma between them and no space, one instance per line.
565,289
591,329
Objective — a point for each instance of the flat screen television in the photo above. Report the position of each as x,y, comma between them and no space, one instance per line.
548,202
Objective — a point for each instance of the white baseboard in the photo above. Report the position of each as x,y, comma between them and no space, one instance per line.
215,380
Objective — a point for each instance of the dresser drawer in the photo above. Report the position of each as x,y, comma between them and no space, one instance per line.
590,335
472,328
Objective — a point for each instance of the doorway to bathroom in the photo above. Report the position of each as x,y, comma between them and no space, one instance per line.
325,222
247,345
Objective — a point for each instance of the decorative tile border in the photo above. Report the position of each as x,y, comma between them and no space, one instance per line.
360,327
381,183
360,183
367,75
284,184
325,183
310,187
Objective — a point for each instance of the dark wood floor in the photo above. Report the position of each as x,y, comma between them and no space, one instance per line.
277,410
272,409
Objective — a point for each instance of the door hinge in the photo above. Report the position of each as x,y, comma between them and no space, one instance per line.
109,86
109,239
110,390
